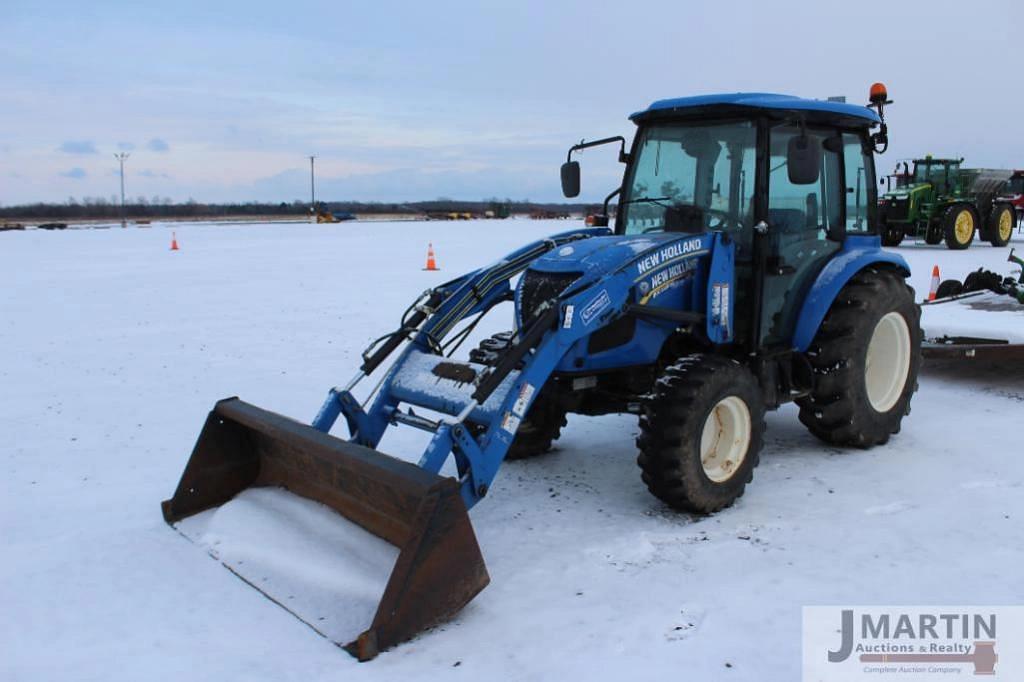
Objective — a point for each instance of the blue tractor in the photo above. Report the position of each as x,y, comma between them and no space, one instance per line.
742,270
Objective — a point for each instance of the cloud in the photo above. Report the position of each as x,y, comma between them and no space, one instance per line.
148,173
77,147
125,146
157,145
76,173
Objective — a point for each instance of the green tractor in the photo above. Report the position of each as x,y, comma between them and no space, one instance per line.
940,200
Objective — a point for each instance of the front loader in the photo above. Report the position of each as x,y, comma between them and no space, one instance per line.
743,271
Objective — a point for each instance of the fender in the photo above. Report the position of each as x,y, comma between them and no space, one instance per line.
858,252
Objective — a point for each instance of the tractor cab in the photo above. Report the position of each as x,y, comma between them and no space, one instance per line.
941,174
786,179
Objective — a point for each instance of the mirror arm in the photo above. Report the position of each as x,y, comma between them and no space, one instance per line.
608,198
583,144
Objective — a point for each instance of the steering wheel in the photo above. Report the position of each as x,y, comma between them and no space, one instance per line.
723,218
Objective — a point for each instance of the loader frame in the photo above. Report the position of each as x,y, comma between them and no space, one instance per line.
584,307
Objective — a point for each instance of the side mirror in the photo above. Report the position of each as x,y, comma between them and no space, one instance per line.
571,179
803,159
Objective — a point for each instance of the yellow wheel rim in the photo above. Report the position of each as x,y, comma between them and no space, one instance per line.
1005,225
964,226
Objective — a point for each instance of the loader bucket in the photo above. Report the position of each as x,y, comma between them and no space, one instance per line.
439,567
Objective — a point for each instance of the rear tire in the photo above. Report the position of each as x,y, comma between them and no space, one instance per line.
959,224
865,358
701,433
1000,225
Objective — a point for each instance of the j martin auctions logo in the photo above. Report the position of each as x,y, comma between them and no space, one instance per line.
928,638
911,643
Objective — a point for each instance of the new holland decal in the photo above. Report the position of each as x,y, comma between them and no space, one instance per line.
668,266
672,252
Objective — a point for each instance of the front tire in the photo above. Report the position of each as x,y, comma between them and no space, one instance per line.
701,433
892,235
959,223
933,234
865,358
544,422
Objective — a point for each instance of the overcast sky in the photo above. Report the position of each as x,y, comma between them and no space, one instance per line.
220,100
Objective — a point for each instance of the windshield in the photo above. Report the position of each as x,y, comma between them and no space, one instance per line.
929,172
692,176
1016,185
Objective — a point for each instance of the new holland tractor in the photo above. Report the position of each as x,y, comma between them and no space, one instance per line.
742,271
939,201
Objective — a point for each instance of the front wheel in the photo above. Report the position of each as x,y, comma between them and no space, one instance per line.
701,433
544,422
892,235
865,359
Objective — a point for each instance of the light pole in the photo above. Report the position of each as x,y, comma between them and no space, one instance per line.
121,157
312,187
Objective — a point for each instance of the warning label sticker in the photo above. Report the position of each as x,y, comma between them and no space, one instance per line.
525,394
510,423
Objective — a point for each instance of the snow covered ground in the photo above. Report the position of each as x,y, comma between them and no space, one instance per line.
113,349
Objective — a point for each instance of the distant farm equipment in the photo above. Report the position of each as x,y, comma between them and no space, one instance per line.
940,200
325,215
543,214
1014,193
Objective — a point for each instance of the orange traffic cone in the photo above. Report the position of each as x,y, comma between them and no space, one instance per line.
174,241
431,263
935,283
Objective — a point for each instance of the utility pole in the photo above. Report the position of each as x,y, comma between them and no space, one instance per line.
121,157
312,187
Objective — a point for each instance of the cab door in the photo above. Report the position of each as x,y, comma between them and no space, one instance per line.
805,225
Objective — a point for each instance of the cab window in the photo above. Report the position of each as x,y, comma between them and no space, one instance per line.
858,172
692,177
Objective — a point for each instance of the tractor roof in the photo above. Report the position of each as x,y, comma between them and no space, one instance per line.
851,114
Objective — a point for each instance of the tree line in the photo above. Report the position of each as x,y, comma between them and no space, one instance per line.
99,208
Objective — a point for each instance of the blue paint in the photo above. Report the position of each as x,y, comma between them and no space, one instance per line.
762,100
858,252
721,290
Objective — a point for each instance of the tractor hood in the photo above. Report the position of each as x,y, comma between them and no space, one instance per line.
600,255
907,191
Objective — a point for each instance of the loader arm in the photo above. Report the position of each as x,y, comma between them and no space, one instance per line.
499,398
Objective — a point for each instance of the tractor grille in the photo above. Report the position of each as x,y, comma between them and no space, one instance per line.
897,209
539,287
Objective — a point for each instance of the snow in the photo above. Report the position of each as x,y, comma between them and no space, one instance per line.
114,349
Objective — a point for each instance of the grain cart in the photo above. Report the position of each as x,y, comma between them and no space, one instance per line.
941,200
743,272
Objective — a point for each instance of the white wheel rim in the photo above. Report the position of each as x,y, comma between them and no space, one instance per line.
888,362
725,439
